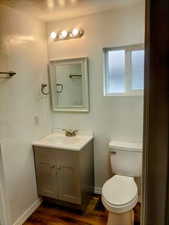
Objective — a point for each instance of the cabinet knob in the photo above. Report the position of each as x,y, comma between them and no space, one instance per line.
52,167
58,167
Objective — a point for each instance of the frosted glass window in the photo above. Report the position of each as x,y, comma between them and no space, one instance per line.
124,70
137,69
116,71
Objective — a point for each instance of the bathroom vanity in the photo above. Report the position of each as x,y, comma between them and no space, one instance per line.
64,167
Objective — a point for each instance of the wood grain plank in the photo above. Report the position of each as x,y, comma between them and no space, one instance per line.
50,214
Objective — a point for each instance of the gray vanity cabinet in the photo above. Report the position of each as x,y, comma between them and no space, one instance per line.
64,175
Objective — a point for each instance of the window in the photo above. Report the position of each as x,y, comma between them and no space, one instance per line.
124,70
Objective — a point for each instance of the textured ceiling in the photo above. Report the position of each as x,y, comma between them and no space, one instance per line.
48,10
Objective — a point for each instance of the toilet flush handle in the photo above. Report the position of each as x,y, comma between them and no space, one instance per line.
113,152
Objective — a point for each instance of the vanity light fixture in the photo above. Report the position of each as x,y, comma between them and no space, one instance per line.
66,35
53,35
63,34
76,32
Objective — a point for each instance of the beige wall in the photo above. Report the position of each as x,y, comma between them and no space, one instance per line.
120,118
22,49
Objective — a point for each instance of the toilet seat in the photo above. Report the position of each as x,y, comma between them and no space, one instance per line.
119,194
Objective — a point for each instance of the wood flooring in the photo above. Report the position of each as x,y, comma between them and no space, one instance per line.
51,214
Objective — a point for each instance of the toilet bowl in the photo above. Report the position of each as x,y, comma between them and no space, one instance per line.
119,197
120,192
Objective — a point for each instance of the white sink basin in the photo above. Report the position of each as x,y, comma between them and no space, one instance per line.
60,141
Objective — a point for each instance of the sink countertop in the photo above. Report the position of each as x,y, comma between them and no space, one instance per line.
60,141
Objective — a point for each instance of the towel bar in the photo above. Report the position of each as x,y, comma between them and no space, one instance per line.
10,74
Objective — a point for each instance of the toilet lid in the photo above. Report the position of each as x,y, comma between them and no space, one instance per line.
119,190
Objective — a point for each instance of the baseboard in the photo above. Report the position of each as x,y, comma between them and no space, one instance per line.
98,190
28,212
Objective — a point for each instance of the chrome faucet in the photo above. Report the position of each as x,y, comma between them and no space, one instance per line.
70,132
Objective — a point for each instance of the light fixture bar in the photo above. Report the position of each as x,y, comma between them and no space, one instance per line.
66,35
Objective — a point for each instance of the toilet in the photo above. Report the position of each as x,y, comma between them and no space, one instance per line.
120,192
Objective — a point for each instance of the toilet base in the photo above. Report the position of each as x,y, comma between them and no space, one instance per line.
121,219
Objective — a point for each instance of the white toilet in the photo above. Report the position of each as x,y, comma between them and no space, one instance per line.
120,193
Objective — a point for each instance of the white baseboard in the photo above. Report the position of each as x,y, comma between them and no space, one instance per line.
28,212
98,190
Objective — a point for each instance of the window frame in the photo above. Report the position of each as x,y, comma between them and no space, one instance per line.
128,73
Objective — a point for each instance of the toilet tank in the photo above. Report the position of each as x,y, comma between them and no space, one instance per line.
126,158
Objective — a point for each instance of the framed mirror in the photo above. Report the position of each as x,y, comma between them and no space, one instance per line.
69,85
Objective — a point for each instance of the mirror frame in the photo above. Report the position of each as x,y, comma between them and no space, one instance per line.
85,85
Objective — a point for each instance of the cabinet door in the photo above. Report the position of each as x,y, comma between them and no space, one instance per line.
69,185
46,173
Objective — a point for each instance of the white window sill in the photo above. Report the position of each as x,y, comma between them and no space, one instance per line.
129,93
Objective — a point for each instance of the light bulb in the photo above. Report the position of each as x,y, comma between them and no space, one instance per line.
63,34
53,35
75,32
